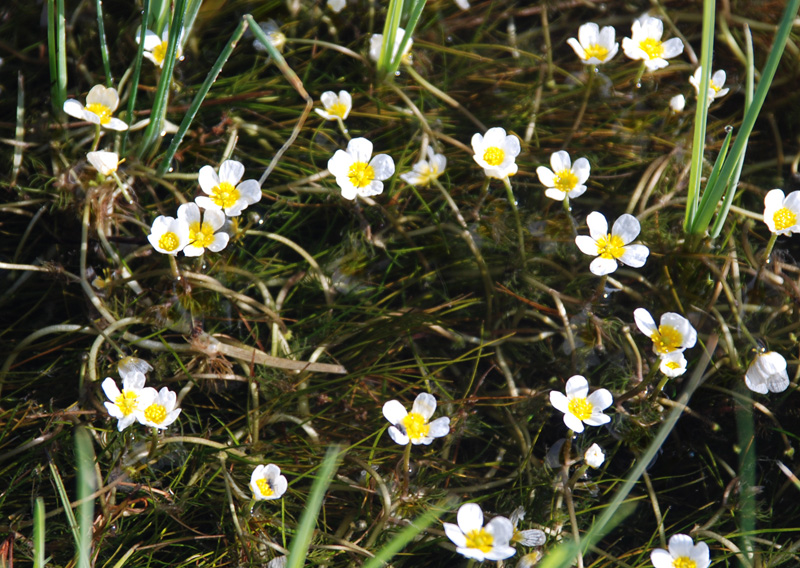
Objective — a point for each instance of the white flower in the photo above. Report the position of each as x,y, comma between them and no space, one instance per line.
677,103
129,365
101,102
781,214
530,537
414,426
530,560
565,179
495,152
335,106
646,43
125,403
204,232
578,408
356,174
673,364
425,171
767,373
683,553
594,456
104,162
225,194
376,43
273,32
169,235
267,483
595,46
614,246
716,81
337,6
473,540
157,409
674,332
155,47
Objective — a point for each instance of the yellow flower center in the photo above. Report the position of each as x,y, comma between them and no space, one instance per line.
667,339
361,174
684,562
126,401
494,156
416,426
565,181
201,235
169,241
580,408
480,539
264,487
225,195
784,218
155,413
596,50
160,52
673,365
652,47
337,109
610,246
101,110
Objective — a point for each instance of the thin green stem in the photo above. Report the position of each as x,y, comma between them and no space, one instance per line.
520,234
101,32
137,70
406,464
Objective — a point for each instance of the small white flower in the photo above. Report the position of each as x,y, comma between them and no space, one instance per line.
530,560
125,403
473,540
376,43
767,373
155,47
673,364
578,408
356,173
169,235
645,43
225,194
677,103
267,483
496,152
104,162
204,231
674,332
565,179
594,456
425,171
157,409
129,365
336,106
595,46
463,4
414,426
530,537
337,6
682,553
782,214
614,246
273,32
715,89
101,102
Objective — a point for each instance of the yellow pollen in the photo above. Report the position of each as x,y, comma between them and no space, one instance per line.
201,235
784,218
264,487
361,174
160,52
652,47
565,181
494,156
610,246
155,413
480,539
416,426
684,562
225,195
126,401
580,408
100,110
169,241
596,50
337,109
667,339
673,365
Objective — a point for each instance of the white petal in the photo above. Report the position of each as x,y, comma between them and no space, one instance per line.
560,161
577,387
644,321
627,228
360,149
454,534
494,137
394,411
250,191
151,40
424,405
470,517
672,47
573,423
116,124
577,191
398,436
635,256
586,244
189,212
554,193
559,401
328,99
683,326
681,545
214,218
110,388
383,166
511,146
589,34
73,108
231,171
600,399
661,558
597,419
601,266
339,164
546,176
439,427
220,241
208,179
582,169
576,47
598,226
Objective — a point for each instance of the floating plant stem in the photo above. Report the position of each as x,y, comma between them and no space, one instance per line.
137,70
520,234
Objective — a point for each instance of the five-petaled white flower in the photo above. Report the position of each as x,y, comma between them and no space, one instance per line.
530,537
715,84
101,102
223,191
414,426
579,406
131,364
337,6
677,103
155,47
682,553
565,179
673,364
336,106
674,332
594,456
782,214
646,43
425,171
158,410
169,235
204,231
356,173
496,152
767,373
267,483
376,44
614,246
104,162
595,46
473,540
125,403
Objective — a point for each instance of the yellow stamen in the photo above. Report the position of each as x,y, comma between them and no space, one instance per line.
264,487
673,365
494,156
160,52
155,413
337,109
169,241
201,235
416,426
580,408
667,339
225,195
596,50
480,539
565,181
652,47
610,246
684,562
101,111
361,174
784,218
127,401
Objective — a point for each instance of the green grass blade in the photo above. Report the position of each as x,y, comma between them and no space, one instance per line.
389,34
705,200
57,51
38,533
62,495
413,19
86,486
101,32
137,71
747,475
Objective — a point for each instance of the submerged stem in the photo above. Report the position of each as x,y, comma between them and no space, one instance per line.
520,233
